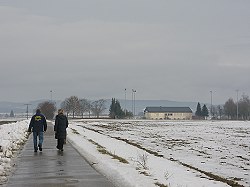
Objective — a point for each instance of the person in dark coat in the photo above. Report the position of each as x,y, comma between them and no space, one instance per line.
38,125
61,123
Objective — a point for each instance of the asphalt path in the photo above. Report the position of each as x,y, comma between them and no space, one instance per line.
53,168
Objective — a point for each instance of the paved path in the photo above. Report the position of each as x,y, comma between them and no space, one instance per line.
51,168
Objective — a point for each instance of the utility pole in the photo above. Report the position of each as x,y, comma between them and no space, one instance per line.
125,102
211,111
133,101
237,112
51,96
27,110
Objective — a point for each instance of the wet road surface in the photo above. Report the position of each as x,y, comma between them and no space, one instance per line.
52,168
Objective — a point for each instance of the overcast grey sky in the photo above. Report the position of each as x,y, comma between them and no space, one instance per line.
164,49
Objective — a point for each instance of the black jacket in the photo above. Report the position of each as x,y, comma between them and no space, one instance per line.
61,123
38,123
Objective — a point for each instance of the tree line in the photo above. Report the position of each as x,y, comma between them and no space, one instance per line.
76,107
231,110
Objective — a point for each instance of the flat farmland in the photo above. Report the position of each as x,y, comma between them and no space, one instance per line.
220,148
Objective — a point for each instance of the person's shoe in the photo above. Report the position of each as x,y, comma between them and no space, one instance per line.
40,147
35,150
61,150
57,147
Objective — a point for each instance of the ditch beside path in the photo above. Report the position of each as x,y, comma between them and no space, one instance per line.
52,168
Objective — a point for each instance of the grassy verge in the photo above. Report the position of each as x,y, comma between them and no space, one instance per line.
103,150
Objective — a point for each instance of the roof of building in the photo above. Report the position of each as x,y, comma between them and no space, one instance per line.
168,109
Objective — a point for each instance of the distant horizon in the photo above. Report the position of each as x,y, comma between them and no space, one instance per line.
140,105
129,97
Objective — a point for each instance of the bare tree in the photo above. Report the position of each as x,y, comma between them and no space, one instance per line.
71,105
230,108
84,106
48,109
220,111
89,106
65,106
214,112
97,107
244,107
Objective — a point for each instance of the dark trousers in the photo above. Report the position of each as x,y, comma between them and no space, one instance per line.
60,143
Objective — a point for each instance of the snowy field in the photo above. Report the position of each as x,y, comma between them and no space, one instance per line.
166,153
152,153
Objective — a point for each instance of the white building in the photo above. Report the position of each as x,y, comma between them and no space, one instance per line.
172,113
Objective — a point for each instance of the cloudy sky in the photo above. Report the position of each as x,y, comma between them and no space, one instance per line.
164,49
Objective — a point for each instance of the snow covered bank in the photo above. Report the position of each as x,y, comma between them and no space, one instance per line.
170,153
12,137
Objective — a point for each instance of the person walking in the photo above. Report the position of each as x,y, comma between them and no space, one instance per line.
38,126
61,123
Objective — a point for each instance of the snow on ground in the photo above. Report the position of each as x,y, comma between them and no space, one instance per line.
12,136
152,153
166,153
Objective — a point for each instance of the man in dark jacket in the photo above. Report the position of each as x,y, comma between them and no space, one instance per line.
61,123
38,125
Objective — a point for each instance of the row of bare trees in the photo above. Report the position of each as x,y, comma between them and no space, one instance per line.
78,107
238,110
233,109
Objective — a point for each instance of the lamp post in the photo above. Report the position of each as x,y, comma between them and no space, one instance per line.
211,110
125,101
133,101
237,106
50,95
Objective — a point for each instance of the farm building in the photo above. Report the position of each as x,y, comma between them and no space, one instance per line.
172,113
